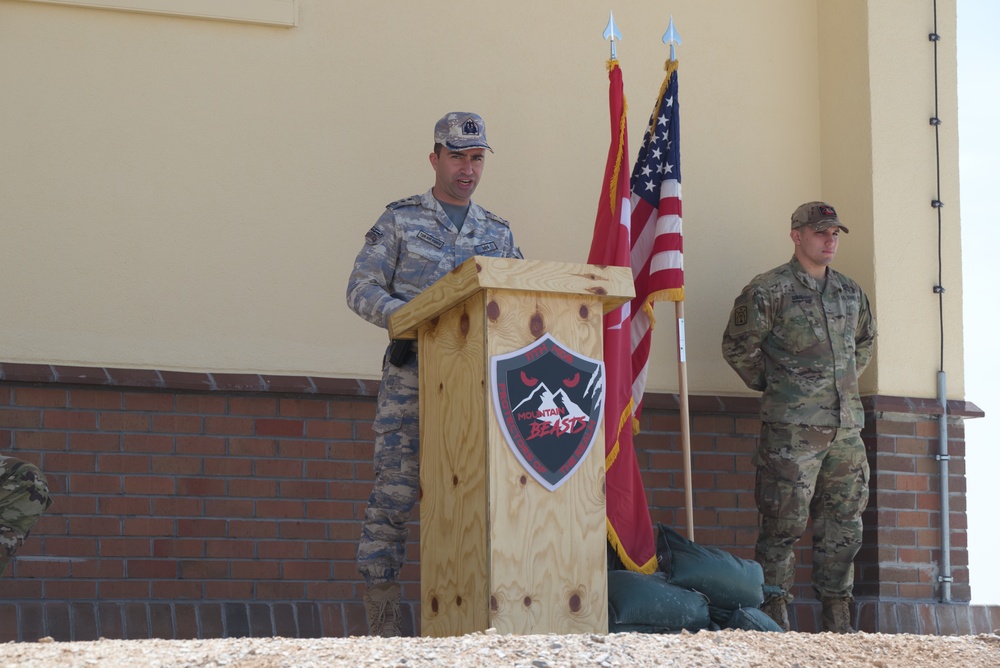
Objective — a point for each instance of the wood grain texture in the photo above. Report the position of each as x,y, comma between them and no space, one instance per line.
613,285
497,548
547,549
453,477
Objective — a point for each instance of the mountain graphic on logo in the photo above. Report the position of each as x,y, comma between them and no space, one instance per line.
551,407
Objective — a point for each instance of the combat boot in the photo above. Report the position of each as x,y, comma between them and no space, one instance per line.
382,604
836,616
777,609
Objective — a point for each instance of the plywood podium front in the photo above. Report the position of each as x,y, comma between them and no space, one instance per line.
498,549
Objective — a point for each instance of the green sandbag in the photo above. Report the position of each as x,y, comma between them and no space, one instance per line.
752,619
649,604
723,618
730,583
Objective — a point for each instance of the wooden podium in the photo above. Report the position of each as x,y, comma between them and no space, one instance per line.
497,548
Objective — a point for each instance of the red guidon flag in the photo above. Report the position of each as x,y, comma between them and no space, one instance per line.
630,530
657,245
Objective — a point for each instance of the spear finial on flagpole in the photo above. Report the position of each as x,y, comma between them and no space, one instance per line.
669,37
612,33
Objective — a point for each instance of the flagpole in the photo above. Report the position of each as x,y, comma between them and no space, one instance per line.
682,392
671,37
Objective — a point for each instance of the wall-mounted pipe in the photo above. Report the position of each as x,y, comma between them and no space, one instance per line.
943,458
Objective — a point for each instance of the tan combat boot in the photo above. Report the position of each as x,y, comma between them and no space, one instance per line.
777,609
382,604
836,616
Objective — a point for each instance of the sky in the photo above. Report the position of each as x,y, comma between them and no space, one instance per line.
979,171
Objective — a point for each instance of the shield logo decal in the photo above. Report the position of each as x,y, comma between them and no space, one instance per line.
549,401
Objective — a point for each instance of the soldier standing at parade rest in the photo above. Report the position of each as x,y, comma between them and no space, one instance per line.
24,496
415,241
802,334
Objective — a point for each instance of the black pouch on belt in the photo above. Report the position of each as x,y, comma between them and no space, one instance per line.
401,351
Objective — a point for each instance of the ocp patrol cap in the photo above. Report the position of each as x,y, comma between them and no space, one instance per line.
817,215
460,131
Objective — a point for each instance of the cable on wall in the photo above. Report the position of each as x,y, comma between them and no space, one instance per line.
945,578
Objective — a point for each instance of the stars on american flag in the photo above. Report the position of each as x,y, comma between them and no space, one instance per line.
655,156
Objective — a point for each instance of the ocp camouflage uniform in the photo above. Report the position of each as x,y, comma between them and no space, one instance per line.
411,245
804,344
24,496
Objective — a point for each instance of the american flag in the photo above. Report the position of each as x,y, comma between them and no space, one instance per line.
657,256
630,530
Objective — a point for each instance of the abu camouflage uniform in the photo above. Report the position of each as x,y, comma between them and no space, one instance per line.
411,245
804,344
24,496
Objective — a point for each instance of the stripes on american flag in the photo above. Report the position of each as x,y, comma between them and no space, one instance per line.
657,256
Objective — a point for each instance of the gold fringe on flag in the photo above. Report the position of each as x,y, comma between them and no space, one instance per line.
613,455
613,183
647,568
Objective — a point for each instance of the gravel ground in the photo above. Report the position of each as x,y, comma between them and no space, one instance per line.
731,649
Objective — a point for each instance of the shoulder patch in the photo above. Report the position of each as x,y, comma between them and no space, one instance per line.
492,216
740,316
413,200
374,235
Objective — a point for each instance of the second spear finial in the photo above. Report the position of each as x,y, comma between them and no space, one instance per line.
612,33
670,37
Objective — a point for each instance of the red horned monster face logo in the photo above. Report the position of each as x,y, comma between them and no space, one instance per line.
548,400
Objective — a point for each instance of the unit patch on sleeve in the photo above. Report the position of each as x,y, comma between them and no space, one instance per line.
740,316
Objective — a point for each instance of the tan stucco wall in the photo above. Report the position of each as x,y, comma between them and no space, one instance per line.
189,194
904,179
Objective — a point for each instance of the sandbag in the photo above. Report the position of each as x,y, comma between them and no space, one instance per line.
730,583
724,619
751,619
649,604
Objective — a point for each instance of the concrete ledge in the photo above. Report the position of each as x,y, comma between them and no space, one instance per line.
927,618
27,621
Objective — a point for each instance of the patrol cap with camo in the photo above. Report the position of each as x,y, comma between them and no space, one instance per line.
460,131
817,215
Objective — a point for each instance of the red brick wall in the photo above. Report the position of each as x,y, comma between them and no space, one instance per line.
901,556
902,545
206,505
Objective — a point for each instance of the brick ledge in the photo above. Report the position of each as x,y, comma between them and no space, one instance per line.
17,372
185,380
